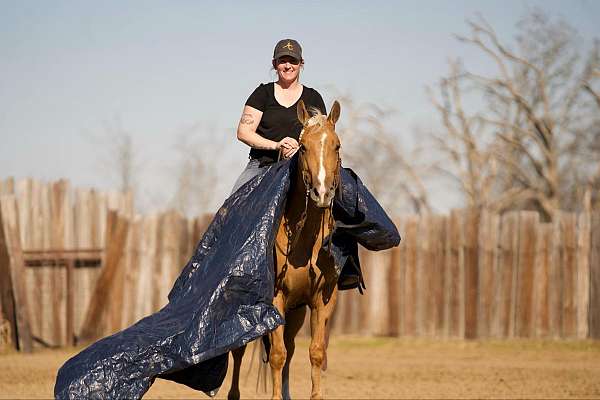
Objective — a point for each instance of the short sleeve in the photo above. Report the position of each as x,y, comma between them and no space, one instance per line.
318,102
258,98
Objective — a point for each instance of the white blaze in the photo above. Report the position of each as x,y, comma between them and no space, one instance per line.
321,176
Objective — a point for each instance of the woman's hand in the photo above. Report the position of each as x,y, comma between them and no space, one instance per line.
290,153
288,146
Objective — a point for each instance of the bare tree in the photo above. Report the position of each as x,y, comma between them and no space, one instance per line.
534,112
591,84
394,175
118,156
469,153
197,151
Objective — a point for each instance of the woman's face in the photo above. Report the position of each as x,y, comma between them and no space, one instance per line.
288,68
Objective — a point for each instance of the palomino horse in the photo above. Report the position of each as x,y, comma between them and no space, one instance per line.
305,273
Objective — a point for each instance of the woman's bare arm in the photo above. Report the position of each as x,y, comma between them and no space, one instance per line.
246,132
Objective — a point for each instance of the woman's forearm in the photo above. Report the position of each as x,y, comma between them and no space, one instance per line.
256,141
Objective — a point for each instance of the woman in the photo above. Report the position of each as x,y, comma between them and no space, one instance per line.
269,122
270,126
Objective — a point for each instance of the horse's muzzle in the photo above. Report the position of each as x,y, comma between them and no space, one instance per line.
322,199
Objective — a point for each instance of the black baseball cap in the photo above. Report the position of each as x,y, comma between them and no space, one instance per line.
288,47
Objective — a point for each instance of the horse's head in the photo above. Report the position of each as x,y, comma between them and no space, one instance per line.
319,158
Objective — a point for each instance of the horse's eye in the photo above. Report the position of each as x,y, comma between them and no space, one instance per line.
337,147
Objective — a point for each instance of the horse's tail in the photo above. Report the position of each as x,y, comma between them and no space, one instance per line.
260,355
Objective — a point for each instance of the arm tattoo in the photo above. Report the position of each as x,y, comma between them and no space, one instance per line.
247,119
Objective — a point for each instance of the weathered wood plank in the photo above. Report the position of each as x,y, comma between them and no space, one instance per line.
488,242
10,241
409,309
555,280
147,256
454,282
200,225
117,229
132,267
439,264
352,298
7,303
158,275
471,261
569,275
24,196
171,236
362,325
594,307
396,278
543,262
61,230
583,274
184,249
503,309
525,273
82,239
41,234
336,322
378,293
423,277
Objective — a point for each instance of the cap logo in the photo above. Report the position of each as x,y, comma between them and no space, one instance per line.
289,46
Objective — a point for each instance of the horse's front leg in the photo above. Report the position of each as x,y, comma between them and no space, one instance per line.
319,318
294,319
278,354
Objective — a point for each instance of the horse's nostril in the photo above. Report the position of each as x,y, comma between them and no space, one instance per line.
316,192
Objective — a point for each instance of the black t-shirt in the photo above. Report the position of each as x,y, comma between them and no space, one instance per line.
278,121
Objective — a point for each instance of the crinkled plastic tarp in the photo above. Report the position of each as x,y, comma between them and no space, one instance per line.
223,297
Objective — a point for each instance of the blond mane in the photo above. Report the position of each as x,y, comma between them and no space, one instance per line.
317,118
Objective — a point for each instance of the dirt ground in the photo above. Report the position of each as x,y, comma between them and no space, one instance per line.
380,368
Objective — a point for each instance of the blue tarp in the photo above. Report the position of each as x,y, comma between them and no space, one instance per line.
223,297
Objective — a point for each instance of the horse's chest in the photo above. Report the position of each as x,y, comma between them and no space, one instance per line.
300,285
302,270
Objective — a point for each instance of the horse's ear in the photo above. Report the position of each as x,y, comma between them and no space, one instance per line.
334,113
303,115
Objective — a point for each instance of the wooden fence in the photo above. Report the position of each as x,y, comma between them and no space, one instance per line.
85,265
477,275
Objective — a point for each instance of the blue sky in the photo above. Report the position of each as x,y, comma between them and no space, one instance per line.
67,67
